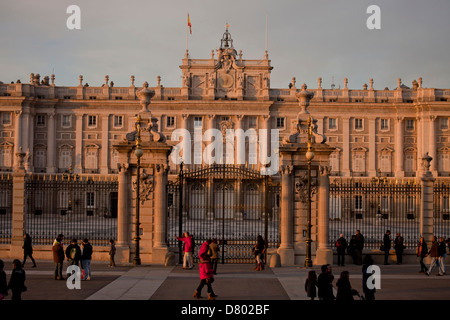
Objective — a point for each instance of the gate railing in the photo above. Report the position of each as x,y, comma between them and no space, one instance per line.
73,205
373,207
225,202
6,191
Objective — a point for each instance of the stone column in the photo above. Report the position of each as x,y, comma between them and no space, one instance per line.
432,150
346,147
51,143
123,249
78,168
186,141
160,206
30,148
264,144
17,135
240,141
372,172
324,254
26,124
286,249
105,145
18,205
420,149
399,159
426,207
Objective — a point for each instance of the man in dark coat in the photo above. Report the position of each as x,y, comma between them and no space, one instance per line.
73,253
58,258
324,283
399,247
387,246
434,254
341,246
359,247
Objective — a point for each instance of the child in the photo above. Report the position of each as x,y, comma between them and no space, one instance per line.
310,284
206,272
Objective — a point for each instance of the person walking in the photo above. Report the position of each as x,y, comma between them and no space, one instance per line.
341,246
187,258
311,284
399,247
17,281
369,293
27,250
345,292
386,246
112,253
359,247
442,253
86,257
422,252
214,247
325,283
3,283
434,254
259,250
58,258
206,272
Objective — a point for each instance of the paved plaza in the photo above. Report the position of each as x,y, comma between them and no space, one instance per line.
233,282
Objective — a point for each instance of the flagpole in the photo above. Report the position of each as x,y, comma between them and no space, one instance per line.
187,31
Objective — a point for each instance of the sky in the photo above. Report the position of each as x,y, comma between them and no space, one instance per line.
306,39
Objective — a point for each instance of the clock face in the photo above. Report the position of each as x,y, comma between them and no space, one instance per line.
225,81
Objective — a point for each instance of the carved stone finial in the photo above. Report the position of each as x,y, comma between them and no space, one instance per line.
132,81
426,161
145,96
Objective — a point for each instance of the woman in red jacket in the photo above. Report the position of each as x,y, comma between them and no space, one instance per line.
206,272
187,258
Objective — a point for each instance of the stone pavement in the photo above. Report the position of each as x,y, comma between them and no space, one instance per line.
233,282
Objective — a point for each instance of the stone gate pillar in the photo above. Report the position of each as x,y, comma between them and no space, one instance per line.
122,244
426,207
324,254
286,249
18,206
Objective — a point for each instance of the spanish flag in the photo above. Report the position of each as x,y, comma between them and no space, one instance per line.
189,25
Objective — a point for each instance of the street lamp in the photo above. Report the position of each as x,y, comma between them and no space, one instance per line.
70,176
309,157
138,153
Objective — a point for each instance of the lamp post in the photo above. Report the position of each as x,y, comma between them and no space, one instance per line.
138,152
70,176
309,157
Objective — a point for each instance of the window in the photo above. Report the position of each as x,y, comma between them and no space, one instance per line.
40,158
446,204
280,123
6,118
5,157
359,206
385,163
114,159
444,123
359,124
90,200
66,120
92,121
410,123
198,122
40,120
384,124
65,159
410,204
410,162
334,162
384,204
63,199
359,162
170,122
444,162
91,159
118,121
332,124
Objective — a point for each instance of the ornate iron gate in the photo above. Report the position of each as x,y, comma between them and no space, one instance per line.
226,202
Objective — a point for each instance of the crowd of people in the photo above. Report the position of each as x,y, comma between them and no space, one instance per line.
437,252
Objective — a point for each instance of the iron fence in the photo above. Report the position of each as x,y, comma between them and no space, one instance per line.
225,202
441,209
6,191
75,206
373,207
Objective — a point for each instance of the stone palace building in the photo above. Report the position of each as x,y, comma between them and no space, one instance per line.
372,134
